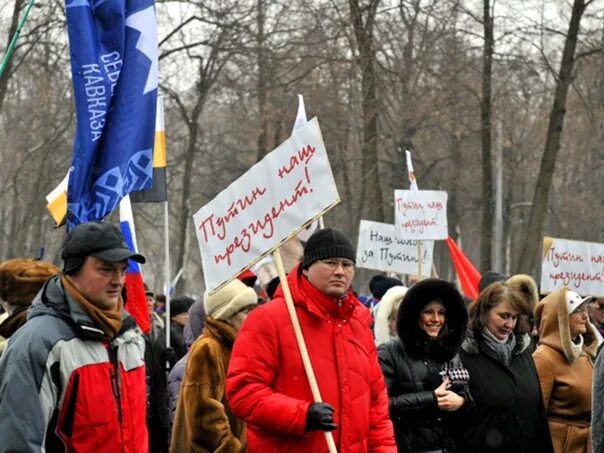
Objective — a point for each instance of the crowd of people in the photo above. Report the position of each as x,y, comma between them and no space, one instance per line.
410,368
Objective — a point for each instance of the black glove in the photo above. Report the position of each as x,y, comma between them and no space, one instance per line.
320,417
168,359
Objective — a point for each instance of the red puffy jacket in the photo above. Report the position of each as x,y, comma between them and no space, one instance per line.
267,387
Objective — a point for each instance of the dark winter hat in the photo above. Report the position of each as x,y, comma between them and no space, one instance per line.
148,291
196,322
488,278
379,284
327,243
248,277
101,240
180,305
21,279
272,286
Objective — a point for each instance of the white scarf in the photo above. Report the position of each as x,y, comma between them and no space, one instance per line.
577,345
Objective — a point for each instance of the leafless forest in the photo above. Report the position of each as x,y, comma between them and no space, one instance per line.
454,81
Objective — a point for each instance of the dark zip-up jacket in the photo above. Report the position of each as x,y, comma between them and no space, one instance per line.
510,417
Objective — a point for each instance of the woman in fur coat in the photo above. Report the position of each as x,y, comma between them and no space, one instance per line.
427,387
564,359
510,417
204,421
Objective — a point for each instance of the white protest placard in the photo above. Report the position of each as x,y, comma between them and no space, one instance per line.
379,249
576,264
420,214
268,204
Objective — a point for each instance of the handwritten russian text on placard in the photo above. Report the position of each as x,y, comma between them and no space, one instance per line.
576,264
379,249
420,214
267,204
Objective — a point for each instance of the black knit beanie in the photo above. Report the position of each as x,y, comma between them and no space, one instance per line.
379,284
327,243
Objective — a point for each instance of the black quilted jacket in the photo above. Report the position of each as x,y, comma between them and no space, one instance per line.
412,364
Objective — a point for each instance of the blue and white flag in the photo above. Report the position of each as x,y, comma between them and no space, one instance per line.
115,71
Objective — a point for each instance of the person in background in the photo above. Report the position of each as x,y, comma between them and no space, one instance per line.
248,277
154,372
160,304
385,320
20,281
509,416
526,320
157,324
266,384
488,278
73,377
378,285
595,310
179,315
427,385
564,360
194,327
271,287
204,420
597,405
164,359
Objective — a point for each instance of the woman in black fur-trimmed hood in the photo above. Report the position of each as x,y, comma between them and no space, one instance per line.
425,403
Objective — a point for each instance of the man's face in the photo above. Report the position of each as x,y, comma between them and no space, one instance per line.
181,318
150,302
331,276
101,282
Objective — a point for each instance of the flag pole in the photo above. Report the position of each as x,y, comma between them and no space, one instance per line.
167,271
310,374
13,41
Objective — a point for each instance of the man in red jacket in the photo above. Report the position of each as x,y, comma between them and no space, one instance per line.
266,385
73,377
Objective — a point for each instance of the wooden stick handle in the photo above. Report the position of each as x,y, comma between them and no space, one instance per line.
310,374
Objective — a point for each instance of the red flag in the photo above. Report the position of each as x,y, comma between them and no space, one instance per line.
466,272
136,300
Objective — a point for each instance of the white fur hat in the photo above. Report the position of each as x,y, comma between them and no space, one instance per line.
228,300
390,302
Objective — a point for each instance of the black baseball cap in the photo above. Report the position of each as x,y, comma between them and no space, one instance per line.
101,240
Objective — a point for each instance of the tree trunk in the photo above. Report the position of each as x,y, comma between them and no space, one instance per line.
184,212
371,203
534,233
262,85
485,132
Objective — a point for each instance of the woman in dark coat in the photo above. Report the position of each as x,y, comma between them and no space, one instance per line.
510,417
427,386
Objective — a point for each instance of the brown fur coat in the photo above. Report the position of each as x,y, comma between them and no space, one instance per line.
203,420
565,376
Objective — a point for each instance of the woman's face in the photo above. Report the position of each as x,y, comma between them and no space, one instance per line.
501,320
577,321
432,318
392,326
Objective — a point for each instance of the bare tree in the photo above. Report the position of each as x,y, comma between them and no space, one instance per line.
534,232
363,22
488,210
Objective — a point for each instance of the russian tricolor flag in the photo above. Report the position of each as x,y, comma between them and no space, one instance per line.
136,302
